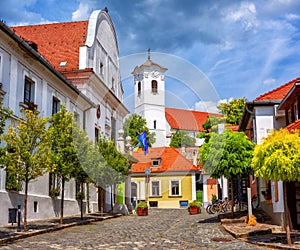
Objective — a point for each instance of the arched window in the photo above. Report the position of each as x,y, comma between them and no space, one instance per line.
154,86
139,88
154,124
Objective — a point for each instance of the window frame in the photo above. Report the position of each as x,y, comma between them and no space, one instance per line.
55,105
154,86
171,187
28,90
154,160
157,188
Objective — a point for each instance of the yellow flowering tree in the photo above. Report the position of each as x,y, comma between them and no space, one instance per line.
278,158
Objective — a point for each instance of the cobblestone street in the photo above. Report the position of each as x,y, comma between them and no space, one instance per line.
161,229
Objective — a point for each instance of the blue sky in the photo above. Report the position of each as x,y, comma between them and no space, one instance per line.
243,48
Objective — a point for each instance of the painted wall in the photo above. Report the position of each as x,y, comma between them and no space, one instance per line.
165,199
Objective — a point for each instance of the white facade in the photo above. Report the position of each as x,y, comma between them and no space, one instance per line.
19,62
264,119
149,97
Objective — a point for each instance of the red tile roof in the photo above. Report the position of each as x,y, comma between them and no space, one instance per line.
57,42
171,160
187,119
278,93
294,125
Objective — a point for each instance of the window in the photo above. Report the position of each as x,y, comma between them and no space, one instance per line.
154,124
139,88
96,135
154,86
28,90
155,188
156,162
76,117
55,105
113,84
35,206
174,187
101,68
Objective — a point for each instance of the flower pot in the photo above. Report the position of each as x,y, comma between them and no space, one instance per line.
142,211
194,210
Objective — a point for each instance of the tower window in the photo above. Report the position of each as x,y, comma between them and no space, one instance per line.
154,124
139,88
154,86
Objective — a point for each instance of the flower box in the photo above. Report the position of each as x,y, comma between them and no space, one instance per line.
194,210
142,211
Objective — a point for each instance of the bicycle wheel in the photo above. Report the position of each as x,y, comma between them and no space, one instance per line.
208,209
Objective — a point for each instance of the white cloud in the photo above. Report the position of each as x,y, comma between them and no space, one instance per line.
246,14
270,81
206,107
82,13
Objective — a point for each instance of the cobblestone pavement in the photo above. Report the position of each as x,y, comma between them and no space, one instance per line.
161,229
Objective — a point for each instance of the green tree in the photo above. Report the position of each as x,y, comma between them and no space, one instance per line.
117,165
4,114
81,173
133,126
211,125
277,158
64,155
181,138
27,152
233,110
228,154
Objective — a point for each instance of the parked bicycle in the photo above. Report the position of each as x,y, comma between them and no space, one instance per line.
219,206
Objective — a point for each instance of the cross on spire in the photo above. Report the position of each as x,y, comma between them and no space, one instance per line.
148,53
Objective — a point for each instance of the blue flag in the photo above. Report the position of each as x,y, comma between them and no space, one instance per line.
143,141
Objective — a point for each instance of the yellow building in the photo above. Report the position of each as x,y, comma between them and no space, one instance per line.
164,178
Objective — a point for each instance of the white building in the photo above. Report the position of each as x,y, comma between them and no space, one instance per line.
260,117
75,63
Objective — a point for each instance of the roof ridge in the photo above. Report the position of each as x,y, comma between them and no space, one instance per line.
276,89
43,24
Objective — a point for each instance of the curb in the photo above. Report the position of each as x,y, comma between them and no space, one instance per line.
24,235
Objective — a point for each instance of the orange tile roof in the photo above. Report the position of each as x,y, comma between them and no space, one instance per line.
294,125
278,93
187,119
57,42
171,160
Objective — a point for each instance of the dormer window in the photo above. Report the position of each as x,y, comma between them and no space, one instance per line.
155,162
154,86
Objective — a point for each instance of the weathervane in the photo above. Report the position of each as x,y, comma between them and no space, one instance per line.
148,53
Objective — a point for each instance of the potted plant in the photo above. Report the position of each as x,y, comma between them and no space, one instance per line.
194,207
142,208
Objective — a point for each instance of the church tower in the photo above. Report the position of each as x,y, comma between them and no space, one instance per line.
149,98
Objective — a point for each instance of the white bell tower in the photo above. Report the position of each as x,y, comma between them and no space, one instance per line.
149,98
